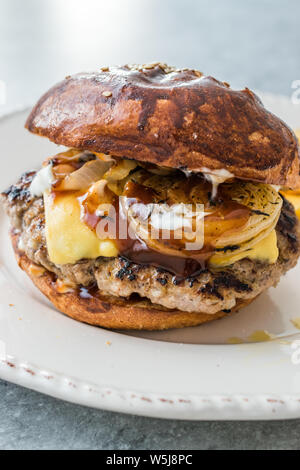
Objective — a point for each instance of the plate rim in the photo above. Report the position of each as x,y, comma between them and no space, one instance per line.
194,407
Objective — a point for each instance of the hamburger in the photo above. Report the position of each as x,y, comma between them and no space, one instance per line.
164,210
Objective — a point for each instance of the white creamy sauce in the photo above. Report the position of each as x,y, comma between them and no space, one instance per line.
171,217
168,221
188,172
42,181
275,187
99,213
215,177
21,245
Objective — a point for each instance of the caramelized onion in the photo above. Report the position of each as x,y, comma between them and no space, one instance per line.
117,175
120,170
244,214
89,173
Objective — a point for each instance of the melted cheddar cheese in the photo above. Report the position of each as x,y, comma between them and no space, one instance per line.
294,198
265,250
68,238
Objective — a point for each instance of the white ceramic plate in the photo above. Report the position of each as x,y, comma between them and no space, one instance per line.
191,373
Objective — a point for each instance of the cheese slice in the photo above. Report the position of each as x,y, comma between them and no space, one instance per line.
265,250
294,198
68,238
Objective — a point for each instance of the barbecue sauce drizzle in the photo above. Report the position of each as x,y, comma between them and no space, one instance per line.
188,263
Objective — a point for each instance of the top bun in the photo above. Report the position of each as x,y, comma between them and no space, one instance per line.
169,117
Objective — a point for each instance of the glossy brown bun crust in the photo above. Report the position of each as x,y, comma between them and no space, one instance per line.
169,117
111,312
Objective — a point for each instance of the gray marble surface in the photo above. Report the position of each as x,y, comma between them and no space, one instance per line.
253,43
29,420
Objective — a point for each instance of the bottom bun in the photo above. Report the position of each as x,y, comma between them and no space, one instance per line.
112,312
